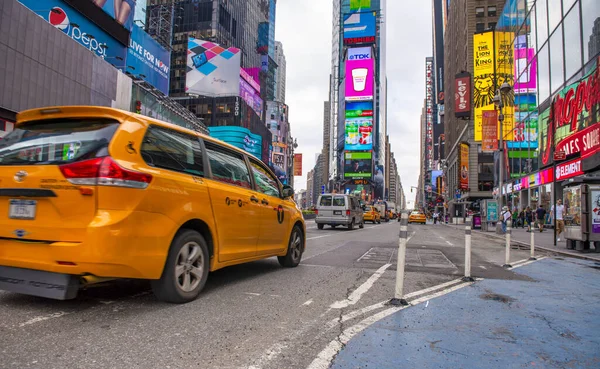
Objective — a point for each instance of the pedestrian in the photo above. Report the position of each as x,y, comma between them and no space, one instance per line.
522,218
529,218
515,217
560,223
505,217
540,216
435,217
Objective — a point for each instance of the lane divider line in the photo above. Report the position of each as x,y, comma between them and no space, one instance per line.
325,357
361,290
527,262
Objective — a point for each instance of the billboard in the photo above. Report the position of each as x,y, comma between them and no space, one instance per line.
239,137
526,123
150,59
429,155
121,10
211,69
359,26
251,96
358,134
360,4
358,164
525,70
246,76
464,166
359,79
298,165
360,53
262,41
462,95
357,109
485,81
490,131
78,28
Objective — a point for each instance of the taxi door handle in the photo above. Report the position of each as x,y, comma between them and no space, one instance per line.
264,202
254,199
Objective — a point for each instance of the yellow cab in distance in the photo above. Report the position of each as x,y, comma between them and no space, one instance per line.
417,217
92,193
371,214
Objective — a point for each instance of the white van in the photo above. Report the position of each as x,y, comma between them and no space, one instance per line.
339,209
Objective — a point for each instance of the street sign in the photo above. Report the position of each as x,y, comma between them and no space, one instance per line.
560,155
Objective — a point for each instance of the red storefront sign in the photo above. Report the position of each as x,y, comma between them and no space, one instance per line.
568,170
586,142
462,95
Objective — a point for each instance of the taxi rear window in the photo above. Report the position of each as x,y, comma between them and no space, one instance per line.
57,141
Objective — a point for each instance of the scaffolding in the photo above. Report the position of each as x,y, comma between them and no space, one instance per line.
160,22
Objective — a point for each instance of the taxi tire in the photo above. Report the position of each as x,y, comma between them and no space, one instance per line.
292,258
166,288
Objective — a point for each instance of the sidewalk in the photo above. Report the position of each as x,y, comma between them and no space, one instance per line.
548,320
543,240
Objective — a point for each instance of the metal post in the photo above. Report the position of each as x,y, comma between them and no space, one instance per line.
507,254
532,246
398,300
501,149
467,277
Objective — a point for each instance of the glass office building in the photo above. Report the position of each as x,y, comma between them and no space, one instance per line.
556,96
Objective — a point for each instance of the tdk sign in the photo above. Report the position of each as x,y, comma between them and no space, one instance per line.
359,53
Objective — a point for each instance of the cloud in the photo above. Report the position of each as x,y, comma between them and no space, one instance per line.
305,28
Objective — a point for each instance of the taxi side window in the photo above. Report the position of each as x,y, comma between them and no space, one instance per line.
227,166
169,149
265,182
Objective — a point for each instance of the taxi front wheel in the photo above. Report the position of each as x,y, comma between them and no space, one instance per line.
294,252
186,269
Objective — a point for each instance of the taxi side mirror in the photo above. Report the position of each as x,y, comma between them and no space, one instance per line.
287,191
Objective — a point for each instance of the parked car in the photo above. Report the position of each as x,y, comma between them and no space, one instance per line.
339,209
91,193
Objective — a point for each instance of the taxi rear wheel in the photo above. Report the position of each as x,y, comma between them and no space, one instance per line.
295,249
186,269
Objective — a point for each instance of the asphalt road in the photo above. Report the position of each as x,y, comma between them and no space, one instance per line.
257,315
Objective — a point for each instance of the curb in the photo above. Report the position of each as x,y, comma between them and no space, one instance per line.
560,252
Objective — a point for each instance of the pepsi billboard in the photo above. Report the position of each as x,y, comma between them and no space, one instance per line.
151,61
79,28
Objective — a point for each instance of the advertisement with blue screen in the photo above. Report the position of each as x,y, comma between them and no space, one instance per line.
239,137
359,26
150,60
121,10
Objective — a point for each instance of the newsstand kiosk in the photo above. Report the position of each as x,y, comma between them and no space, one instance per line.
581,198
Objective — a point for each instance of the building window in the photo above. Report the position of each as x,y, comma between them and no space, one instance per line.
486,168
479,27
491,11
492,25
480,12
572,42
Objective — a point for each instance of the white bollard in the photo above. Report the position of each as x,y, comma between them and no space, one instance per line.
398,299
467,277
532,247
507,254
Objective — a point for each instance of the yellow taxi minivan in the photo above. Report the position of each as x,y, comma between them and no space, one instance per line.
92,193
371,214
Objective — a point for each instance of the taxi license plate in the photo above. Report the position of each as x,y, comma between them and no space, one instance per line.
22,209
337,212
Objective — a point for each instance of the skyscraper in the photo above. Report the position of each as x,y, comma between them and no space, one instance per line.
280,75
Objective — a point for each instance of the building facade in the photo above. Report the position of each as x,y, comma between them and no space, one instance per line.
280,80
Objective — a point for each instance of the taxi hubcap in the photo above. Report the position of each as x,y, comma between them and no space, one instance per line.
296,247
190,267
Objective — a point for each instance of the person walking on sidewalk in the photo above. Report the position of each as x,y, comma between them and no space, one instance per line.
522,218
515,217
505,216
529,218
558,213
540,216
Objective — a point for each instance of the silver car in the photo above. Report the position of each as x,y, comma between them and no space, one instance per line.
339,209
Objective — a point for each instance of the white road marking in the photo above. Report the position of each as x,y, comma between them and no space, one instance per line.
449,243
519,262
361,290
434,288
411,236
252,293
427,303
314,238
308,302
42,318
528,262
324,358
483,267
365,254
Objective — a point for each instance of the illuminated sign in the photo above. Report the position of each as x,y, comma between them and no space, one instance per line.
359,134
429,112
462,95
358,164
568,170
359,53
359,80
359,40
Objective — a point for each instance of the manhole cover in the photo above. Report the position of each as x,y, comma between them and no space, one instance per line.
427,259
379,255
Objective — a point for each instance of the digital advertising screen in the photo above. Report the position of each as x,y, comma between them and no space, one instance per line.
358,165
359,80
212,70
359,25
358,134
359,109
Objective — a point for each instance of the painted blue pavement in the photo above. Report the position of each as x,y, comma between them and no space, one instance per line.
551,321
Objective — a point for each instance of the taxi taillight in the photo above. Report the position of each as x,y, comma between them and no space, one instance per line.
103,172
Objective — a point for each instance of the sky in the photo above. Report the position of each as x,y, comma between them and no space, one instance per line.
304,28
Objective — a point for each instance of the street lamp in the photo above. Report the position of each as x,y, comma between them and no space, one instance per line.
499,102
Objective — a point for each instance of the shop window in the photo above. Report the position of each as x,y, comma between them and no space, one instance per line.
491,11
480,12
486,168
572,42
479,27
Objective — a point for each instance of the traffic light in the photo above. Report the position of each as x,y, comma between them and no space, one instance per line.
138,106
